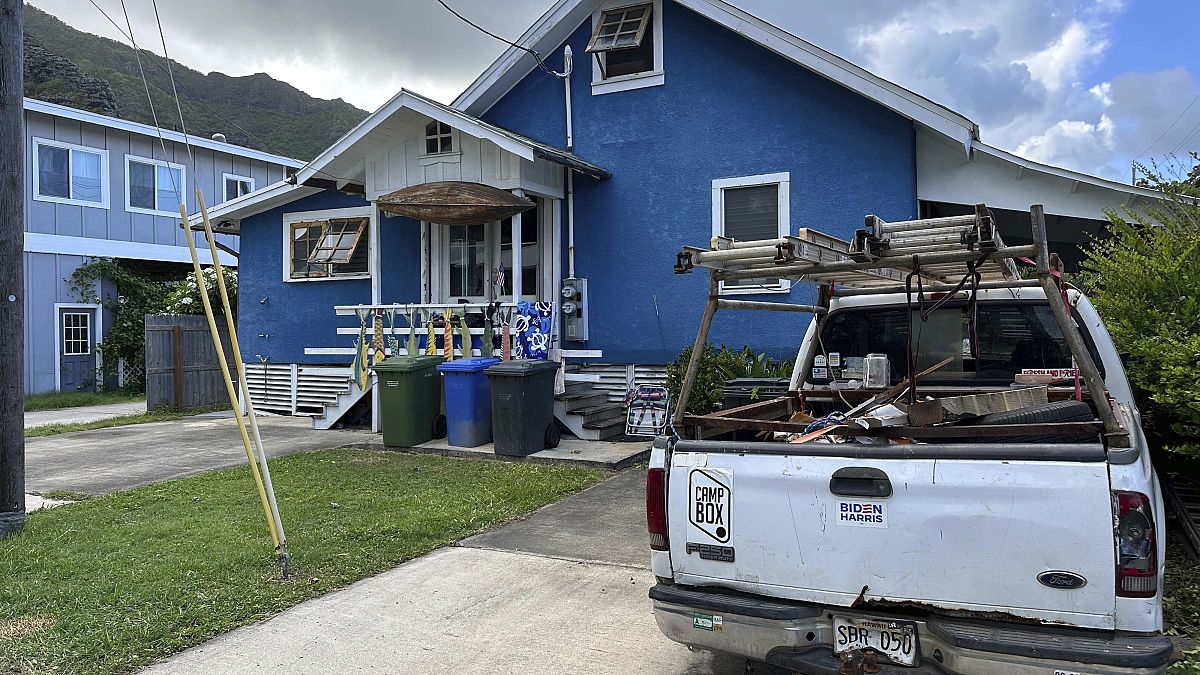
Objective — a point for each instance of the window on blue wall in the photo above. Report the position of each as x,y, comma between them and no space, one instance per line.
322,249
153,186
623,41
748,209
70,174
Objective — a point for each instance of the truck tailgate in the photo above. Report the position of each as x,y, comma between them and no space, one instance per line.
972,535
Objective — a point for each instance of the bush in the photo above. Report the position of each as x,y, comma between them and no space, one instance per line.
717,366
184,297
1144,279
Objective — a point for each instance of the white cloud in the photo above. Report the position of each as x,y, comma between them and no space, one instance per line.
1060,62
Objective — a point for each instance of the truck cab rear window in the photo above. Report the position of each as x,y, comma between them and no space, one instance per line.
1010,337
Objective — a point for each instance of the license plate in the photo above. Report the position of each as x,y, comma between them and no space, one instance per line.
896,640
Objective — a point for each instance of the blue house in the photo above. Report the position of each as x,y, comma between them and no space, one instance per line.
664,122
101,187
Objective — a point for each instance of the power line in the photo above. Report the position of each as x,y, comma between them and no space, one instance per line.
195,98
1169,127
175,93
532,52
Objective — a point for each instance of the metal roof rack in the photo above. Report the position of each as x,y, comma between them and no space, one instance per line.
939,254
880,257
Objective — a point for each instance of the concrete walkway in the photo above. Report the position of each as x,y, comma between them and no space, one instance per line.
87,413
563,591
119,458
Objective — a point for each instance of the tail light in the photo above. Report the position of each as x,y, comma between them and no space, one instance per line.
656,508
1137,549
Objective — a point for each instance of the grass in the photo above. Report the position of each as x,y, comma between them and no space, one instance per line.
115,582
1181,601
156,415
65,495
57,400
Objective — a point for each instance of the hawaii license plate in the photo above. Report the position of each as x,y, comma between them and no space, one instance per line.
896,640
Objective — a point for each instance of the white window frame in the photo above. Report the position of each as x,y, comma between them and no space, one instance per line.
651,78
233,176
451,155
328,214
156,163
72,148
783,180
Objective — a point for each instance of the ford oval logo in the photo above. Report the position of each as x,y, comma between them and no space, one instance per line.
1061,580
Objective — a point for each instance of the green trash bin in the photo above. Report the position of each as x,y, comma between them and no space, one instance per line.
410,399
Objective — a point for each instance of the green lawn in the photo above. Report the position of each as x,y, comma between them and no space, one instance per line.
115,582
156,415
56,400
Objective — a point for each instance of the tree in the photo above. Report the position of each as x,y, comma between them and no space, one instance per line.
1144,279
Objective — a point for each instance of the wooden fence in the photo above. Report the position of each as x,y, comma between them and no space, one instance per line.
182,370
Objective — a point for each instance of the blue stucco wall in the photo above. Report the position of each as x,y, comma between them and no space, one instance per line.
729,108
295,315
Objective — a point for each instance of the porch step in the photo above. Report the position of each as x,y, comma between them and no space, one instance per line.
587,412
601,413
582,400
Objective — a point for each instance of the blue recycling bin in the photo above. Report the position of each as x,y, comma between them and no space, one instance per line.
468,401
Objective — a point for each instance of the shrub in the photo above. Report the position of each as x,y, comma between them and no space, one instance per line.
1144,279
717,366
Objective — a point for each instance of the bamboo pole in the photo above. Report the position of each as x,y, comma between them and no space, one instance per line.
245,387
216,337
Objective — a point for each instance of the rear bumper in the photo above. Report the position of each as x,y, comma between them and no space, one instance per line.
799,636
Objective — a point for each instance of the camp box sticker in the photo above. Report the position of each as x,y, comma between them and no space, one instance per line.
710,499
858,513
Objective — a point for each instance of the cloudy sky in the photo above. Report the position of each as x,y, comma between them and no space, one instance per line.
1086,84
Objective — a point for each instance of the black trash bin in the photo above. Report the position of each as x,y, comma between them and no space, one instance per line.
746,390
523,406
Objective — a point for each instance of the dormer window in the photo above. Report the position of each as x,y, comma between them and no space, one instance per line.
626,45
438,138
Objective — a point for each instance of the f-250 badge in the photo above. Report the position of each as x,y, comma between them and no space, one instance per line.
710,502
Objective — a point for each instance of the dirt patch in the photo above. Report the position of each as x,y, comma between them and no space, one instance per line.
24,625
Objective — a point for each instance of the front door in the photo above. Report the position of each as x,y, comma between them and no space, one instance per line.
77,354
478,260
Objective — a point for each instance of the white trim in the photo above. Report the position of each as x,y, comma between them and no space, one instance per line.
99,323
560,20
651,78
147,130
269,197
329,351
233,176
423,106
583,353
155,163
719,185
1068,174
72,148
60,244
325,214
374,255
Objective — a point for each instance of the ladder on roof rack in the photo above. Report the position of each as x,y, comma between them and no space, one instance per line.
881,258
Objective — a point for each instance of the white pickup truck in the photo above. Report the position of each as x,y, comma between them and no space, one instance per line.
1039,552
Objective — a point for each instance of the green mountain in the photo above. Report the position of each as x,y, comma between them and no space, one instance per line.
81,70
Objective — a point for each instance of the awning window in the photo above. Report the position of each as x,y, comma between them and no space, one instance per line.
339,241
621,28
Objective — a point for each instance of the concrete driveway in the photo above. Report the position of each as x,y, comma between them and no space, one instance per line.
563,591
119,458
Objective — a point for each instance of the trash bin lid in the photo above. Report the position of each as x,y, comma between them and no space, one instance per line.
405,364
522,367
471,365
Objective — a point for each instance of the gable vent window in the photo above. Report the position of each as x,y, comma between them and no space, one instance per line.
328,248
745,209
623,41
438,138
237,186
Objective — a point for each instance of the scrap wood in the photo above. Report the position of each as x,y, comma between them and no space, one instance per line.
953,408
887,395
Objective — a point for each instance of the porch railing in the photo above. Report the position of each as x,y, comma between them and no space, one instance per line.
400,330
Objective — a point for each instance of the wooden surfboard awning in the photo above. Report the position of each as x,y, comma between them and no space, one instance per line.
454,203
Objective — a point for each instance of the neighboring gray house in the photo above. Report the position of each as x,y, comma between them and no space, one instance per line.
98,186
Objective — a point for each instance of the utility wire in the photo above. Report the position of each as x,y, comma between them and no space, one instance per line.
196,99
532,52
137,53
178,108
1169,127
